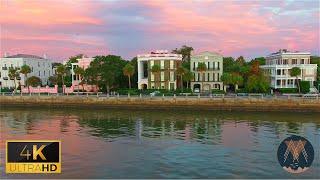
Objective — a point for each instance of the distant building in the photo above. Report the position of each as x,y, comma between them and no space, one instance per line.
84,63
212,77
166,78
40,67
279,65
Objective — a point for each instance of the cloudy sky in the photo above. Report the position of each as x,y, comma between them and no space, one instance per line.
126,27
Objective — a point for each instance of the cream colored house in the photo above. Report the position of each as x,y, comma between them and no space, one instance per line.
212,77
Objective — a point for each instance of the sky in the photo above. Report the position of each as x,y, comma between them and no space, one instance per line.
63,28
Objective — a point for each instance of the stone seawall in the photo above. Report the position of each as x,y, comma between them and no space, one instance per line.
242,104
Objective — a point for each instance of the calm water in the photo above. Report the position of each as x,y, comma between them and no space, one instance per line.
162,144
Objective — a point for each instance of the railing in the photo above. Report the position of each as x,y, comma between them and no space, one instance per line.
239,96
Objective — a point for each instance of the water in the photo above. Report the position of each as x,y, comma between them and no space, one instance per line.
162,144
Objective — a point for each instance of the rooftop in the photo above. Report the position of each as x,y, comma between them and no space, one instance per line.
25,56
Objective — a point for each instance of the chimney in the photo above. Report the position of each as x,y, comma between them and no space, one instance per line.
44,56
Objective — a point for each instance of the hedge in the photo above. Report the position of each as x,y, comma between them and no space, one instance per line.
288,90
305,86
217,91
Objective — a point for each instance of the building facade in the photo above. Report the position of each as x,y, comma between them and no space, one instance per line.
166,78
212,76
279,65
84,63
40,67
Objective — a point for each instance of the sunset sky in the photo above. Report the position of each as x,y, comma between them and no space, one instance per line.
125,27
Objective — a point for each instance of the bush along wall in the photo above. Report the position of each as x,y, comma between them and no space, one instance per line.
305,86
288,90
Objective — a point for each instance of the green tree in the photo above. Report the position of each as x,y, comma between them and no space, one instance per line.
181,71
25,70
202,67
258,84
109,72
236,80
156,69
185,51
79,72
316,60
62,72
240,60
128,71
295,72
74,59
228,64
188,76
34,81
53,80
13,75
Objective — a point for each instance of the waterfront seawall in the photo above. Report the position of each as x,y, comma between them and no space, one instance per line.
242,104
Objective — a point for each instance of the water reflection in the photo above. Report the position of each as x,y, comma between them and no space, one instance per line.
162,144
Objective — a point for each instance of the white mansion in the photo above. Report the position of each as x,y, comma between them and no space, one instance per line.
40,67
279,65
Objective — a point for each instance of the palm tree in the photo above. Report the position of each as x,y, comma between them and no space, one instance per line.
128,71
296,72
62,71
181,71
79,72
202,67
188,76
13,75
226,78
156,70
236,81
25,70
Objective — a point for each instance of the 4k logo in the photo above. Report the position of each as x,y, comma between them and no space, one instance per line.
33,157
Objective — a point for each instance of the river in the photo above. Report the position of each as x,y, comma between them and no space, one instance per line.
114,143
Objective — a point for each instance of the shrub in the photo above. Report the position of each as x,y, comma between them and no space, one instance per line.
241,90
305,86
6,89
217,91
288,90
317,83
130,91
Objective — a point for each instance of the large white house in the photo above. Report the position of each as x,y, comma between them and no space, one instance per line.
166,78
40,67
279,65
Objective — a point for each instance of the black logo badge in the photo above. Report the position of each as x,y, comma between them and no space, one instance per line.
295,154
25,156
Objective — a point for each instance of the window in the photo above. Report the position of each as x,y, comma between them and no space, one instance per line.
208,77
39,73
302,61
218,65
171,64
214,77
213,65
294,61
218,77
208,65
162,85
162,76
278,82
44,73
38,64
285,61
278,71
198,76
194,66
171,76
74,77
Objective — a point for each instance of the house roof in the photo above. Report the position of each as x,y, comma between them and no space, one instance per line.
25,56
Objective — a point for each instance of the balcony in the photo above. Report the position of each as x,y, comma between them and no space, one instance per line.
5,78
4,68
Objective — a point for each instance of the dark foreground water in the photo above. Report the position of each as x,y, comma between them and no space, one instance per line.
162,144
